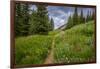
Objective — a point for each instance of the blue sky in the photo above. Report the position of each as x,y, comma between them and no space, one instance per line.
60,14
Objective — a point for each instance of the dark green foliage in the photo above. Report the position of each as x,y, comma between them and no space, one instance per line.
51,25
81,18
42,23
39,21
17,22
90,16
76,19
35,23
70,22
73,20
21,20
93,15
26,19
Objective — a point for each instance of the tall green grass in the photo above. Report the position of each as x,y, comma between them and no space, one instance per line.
76,44
73,45
54,32
32,49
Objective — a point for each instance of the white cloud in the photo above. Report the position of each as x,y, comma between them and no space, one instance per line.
61,19
58,22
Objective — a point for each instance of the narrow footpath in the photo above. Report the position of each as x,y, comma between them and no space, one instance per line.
50,57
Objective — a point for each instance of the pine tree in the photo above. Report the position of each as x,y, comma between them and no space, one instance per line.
70,22
73,20
33,23
75,17
40,21
25,19
51,24
43,23
18,20
88,18
21,19
82,19
93,15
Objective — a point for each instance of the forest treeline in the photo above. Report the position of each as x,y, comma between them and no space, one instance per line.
76,18
38,22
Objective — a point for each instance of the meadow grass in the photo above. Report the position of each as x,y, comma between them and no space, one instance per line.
76,45
32,49
54,32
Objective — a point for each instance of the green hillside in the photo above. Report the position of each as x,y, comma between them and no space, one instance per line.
32,49
75,44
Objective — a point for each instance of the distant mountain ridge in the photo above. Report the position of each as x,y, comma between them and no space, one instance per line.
62,27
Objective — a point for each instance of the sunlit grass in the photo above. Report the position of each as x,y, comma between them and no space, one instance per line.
32,49
76,44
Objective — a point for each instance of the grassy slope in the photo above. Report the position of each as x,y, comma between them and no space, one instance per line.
76,44
32,49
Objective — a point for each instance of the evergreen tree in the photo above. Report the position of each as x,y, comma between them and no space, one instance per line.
70,22
74,20
18,20
75,17
33,23
42,24
51,24
88,18
21,19
25,19
40,21
82,19
93,15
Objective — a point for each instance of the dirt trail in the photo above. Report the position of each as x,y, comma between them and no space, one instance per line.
50,57
60,34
